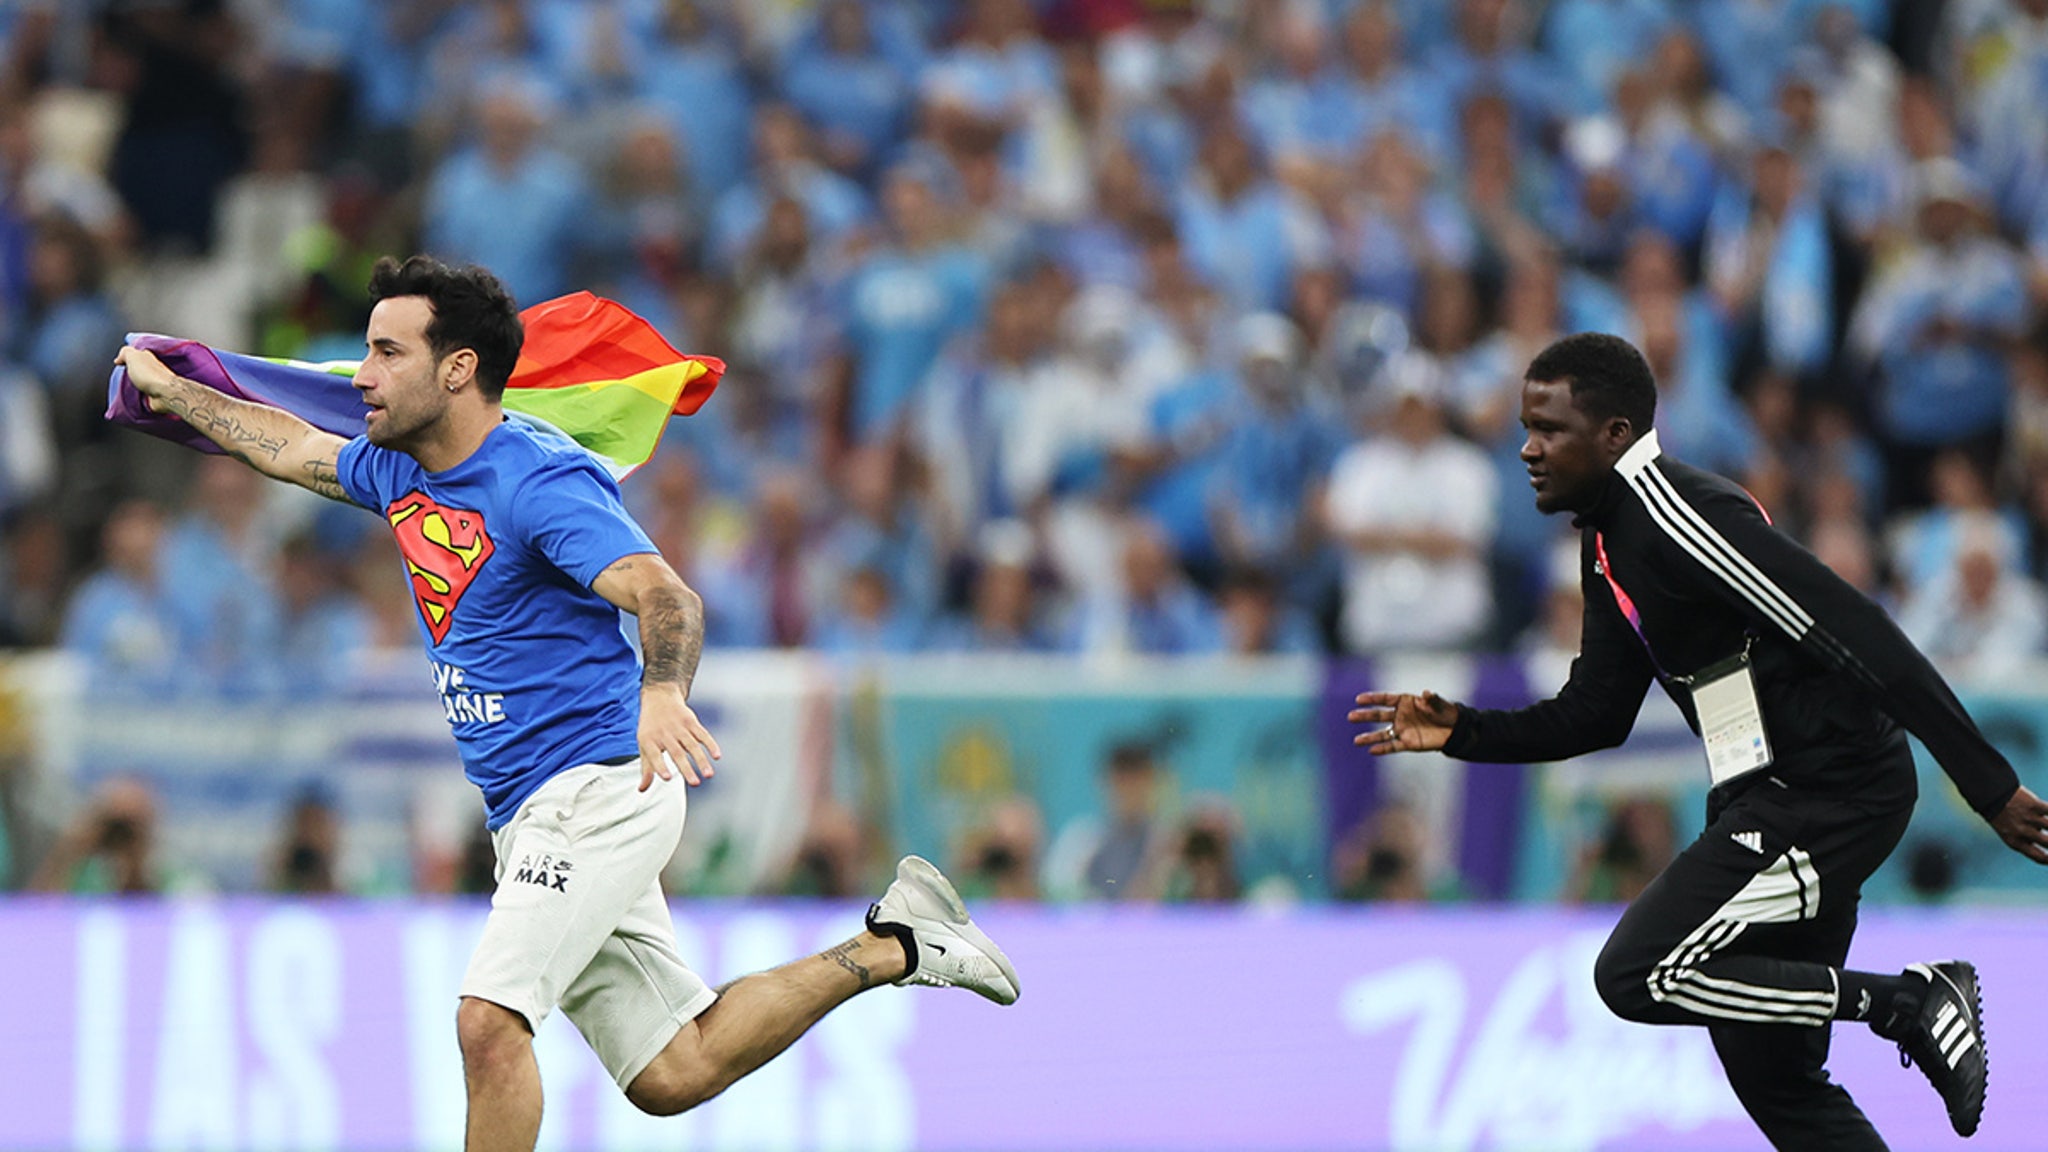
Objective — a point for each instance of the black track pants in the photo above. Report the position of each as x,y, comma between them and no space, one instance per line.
1744,934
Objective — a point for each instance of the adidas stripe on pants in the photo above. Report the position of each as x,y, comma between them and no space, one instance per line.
1743,934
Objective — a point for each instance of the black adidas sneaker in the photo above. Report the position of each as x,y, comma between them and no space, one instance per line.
1946,1039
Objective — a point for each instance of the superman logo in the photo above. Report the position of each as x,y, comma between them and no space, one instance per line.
444,549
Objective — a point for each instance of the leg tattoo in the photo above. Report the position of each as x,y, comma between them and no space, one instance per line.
842,955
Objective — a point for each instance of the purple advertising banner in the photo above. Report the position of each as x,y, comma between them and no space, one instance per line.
277,1025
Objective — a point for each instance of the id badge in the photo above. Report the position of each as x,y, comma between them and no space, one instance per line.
1731,720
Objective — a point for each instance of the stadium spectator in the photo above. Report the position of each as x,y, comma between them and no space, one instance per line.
60,337
646,221
868,619
1845,546
1926,544
783,344
108,848
1244,232
508,201
220,566
779,558
184,129
1273,458
1384,89
490,46
1595,215
1983,619
324,628
1202,866
1936,323
853,82
1486,53
1005,612
1636,840
2027,421
32,579
1297,113
69,320
1504,192
1681,335
1413,508
1257,619
831,861
1552,640
1105,243
392,612
1083,428
124,619
999,69
1770,271
784,166
28,451
906,298
1687,90
1153,609
991,220
999,857
1854,74
1486,400
699,533
1749,45
2004,119
1176,464
695,74
968,430
1670,171
1382,859
880,526
1596,41
1115,855
1393,226
307,861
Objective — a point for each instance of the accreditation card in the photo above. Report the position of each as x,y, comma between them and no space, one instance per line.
1731,721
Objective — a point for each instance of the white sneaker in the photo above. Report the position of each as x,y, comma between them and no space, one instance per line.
946,949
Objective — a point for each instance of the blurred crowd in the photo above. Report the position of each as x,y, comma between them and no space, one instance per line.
1087,326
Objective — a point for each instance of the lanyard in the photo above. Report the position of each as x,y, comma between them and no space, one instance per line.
1635,620
1628,608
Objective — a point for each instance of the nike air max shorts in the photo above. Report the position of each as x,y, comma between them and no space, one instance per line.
578,918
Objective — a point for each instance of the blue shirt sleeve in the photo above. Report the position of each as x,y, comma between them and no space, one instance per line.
571,513
352,469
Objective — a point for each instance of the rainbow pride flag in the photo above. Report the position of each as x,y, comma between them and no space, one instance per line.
590,370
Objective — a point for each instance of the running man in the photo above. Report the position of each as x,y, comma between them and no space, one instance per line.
1803,691
520,558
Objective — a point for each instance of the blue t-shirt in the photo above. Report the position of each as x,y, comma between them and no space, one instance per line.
534,672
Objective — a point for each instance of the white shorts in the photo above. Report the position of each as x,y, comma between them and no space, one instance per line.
579,920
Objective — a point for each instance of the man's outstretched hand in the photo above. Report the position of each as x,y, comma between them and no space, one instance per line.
1412,723
149,375
2023,825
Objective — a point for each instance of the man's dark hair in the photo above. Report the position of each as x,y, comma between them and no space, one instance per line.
472,310
1608,377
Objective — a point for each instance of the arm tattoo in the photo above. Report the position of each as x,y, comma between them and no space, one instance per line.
321,477
671,636
842,955
221,426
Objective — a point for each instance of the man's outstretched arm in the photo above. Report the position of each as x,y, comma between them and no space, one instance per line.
270,440
671,641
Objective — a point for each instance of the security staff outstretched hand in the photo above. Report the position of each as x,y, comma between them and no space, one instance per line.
1413,723
2023,825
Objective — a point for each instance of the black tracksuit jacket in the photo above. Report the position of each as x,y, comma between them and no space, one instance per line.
1706,572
